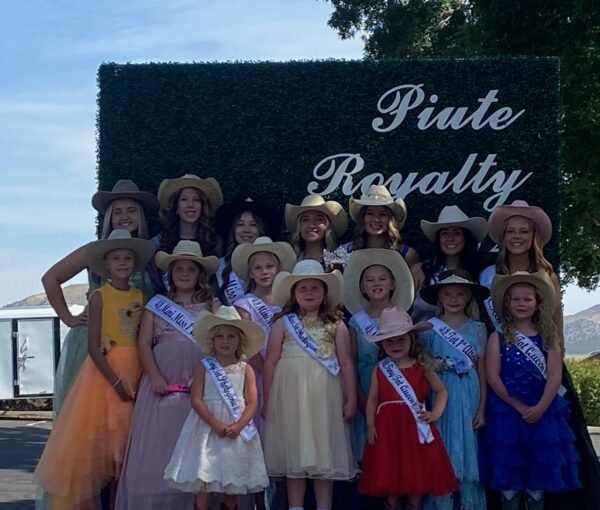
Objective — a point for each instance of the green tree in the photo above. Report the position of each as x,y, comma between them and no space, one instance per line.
569,30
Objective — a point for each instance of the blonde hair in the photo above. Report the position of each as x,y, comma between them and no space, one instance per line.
542,319
212,333
393,239
471,308
107,228
537,261
251,283
329,242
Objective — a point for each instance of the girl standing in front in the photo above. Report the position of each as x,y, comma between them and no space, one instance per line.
218,450
457,344
169,355
405,455
527,445
308,349
85,449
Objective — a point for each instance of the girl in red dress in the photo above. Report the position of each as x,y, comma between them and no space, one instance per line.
404,455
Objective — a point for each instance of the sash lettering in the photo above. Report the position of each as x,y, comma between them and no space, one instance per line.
365,323
234,289
394,375
455,339
172,313
263,312
225,389
308,343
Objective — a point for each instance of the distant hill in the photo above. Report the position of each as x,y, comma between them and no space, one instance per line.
582,331
74,295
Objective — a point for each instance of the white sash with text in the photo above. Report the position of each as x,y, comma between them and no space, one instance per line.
455,339
263,312
172,313
365,323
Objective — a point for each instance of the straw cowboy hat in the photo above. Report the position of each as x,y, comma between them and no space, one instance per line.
330,208
187,250
228,316
209,186
227,212
404,290
119,239
379,196
124,188
453,216
540,280
395,322
500,214
304,270
429,294
283,251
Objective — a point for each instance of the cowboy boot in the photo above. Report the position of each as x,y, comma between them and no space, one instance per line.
532,504
511,504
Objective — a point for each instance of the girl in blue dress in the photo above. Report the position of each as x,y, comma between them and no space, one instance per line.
457,344
527,445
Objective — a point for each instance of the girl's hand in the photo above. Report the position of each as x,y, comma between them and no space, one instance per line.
532,414
479,419
428,416
520,407
124,395
349,410
371,435
219,428
77,320
232,431
159,385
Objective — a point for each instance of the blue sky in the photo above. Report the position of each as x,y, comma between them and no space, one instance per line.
49,54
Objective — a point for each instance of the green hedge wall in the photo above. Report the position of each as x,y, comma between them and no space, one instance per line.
586,380
261,128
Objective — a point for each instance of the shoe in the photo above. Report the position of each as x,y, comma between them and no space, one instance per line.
511,504
533,504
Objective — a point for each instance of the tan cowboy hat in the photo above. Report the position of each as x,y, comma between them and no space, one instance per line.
283,251
209,186
453,216
304,270
395,322
429,294
330,208
500,214
404,290
379,196
119,239
540,280
187,250
124,188
228,316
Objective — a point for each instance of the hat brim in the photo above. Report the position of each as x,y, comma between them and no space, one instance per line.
540,281
209,186
227,212
282,250
205,321
164,261
477,226
284,282
421,326
334,211
101,200
397,207
540,219
429,294
96,252
360,260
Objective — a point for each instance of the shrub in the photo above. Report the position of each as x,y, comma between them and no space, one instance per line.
586,379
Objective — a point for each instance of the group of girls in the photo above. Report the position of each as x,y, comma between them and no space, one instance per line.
253,387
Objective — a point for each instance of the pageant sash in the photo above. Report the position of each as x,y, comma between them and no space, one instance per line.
534,355
263,312
485,278
223,384
308,343
496,322
234,289
455,339
394,375
172,313
365,323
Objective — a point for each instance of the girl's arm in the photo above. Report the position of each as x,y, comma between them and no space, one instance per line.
274,347
479,419
145,340
371,407
441,397
96,355
59,273
492,373
412,257
558,313
251,399
417,274
243,313
553,378
344,355
200,407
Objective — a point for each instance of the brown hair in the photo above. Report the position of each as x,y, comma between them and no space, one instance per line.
417,351
203,293
393,239
329,242
327,313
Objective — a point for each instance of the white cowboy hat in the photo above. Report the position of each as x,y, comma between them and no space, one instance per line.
209,186
119,239
540,280
187,250
304,270
124,188
500,214
453,216
395,322
379,196
330,208
404,290
228,316
429,294
283,251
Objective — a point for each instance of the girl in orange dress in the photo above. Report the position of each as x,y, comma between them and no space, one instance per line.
85,450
